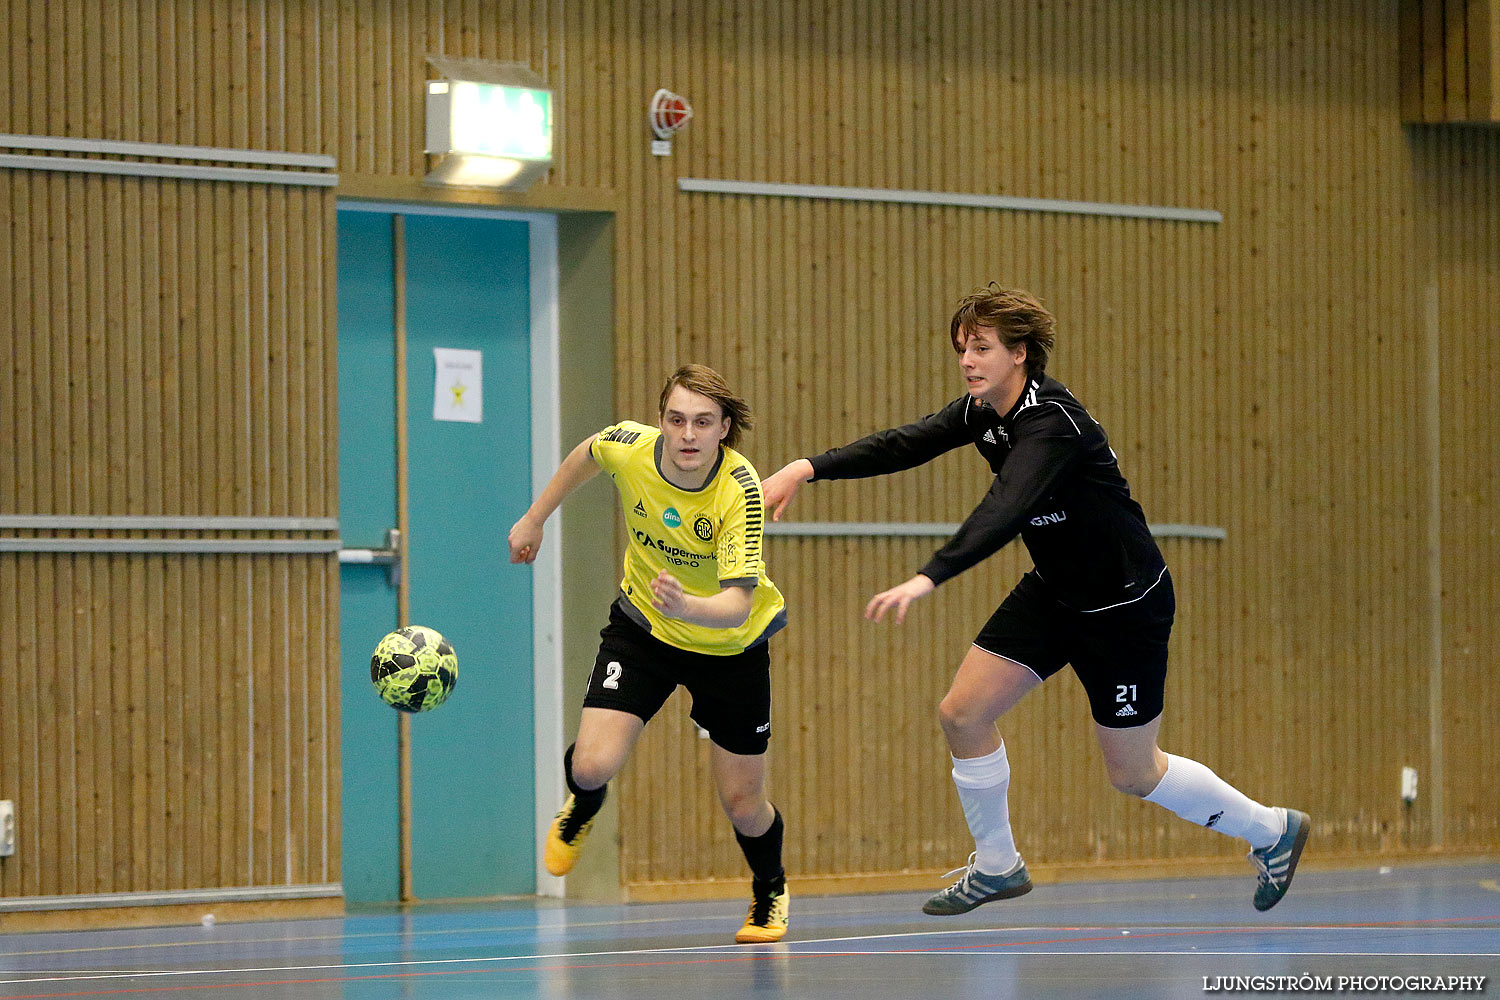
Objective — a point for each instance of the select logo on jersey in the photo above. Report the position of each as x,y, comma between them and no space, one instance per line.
639,508
671,518
1046,519
704,529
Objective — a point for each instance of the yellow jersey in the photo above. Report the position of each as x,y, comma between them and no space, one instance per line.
709,538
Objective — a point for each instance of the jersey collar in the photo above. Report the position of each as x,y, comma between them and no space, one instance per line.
1027,398
706,483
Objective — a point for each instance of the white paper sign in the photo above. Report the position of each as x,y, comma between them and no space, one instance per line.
460,385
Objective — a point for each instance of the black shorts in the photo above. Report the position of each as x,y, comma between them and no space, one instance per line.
1119,654
635,672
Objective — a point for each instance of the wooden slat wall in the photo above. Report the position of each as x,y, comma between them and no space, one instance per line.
169,720
1247,372
1450,61
1459,176
1232,364
1266,374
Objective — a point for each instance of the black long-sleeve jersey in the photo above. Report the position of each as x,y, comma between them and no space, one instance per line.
1057,485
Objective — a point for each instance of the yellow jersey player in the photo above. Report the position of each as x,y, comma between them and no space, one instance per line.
696,608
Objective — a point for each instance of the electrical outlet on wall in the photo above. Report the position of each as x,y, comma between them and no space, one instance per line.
7,828
1408,784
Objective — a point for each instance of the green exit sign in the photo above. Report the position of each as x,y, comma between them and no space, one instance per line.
489,119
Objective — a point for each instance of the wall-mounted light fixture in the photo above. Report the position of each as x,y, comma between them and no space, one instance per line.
490,122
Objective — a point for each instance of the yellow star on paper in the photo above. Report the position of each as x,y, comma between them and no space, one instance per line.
458,395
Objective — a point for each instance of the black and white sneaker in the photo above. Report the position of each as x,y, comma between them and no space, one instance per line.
976,888
1278,863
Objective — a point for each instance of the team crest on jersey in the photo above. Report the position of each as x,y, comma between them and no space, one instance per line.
671,518
704,529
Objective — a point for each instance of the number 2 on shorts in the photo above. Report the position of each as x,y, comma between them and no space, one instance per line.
612,672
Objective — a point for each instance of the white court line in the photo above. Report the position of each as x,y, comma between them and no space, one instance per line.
752,952
410,963
1147,954
804,911
408,934
785,948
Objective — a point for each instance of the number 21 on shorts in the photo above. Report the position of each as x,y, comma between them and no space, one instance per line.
1121,691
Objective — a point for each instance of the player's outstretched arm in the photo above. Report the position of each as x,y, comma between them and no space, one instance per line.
526,534
729,608
779,490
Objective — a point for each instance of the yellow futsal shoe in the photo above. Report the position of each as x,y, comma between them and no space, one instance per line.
565,839
766,921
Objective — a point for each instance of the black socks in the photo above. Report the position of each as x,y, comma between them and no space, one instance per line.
585,802
764,852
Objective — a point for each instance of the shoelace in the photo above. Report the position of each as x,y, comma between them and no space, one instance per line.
760,907
1263,869
760,911
569,828
1259,862
967,869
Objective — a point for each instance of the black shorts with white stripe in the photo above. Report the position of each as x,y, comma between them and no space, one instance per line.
1119,653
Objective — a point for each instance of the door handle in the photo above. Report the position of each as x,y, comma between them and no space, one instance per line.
389,557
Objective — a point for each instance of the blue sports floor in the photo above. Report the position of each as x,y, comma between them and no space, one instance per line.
1120,940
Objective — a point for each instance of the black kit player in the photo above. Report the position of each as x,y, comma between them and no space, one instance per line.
695,608
1099,597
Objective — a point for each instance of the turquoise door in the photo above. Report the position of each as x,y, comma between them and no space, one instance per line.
367,508
467,287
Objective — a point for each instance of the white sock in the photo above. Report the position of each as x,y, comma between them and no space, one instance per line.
1195,793
983,786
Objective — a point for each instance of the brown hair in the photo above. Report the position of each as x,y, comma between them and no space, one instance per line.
707,382
1015,316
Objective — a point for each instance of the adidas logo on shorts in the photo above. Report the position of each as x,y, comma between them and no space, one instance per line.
1125,712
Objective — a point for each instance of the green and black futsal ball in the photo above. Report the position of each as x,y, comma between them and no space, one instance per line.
414,669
